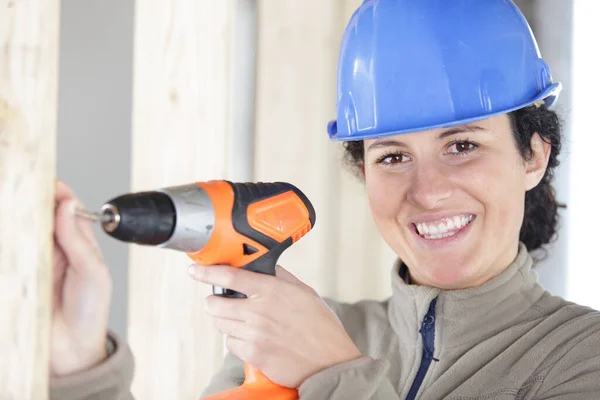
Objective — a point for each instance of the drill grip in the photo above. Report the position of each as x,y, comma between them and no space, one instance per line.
271,216
264,265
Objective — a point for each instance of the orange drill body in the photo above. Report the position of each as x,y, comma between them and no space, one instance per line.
256,386
245,225
279,216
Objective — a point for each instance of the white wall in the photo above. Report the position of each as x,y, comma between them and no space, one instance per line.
567,33
584,264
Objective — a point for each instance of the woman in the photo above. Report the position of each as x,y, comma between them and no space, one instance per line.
445,111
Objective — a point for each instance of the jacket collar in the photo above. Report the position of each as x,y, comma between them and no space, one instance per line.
469,315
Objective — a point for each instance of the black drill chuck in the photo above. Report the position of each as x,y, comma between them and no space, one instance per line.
147,218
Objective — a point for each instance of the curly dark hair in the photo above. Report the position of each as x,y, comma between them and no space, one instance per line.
540,221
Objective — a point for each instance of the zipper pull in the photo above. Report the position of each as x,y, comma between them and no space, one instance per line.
427,323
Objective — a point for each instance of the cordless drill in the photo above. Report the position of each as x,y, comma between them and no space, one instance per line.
245,225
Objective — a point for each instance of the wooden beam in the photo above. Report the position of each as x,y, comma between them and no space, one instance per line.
299,41
28,105
181,119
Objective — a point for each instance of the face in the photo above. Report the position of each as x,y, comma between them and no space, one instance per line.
450,202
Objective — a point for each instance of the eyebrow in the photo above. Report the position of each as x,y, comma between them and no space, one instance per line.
442,135
460,129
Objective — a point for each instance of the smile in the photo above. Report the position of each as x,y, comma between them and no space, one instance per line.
443,228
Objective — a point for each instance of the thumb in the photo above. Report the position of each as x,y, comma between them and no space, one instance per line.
81,250
286,275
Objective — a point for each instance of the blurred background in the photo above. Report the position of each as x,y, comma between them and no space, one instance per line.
94,119
278,130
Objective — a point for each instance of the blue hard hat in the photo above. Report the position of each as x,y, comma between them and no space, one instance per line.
413,65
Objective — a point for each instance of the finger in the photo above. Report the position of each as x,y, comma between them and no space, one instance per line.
59,258
242,350
238,279
81,253
65,194
86,227
236,329
62,192
225,308
62,195
249,351
235,346
60,264
286,275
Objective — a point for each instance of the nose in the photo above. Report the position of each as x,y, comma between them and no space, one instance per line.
429,186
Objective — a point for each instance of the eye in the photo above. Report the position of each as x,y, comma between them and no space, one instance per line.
393,158
462,147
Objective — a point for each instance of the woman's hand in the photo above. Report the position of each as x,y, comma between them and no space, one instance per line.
283,328
81,291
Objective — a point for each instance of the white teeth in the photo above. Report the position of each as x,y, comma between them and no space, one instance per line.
445,235
444,228
450,224
457,221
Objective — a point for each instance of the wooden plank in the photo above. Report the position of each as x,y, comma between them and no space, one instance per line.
28,105
343,257
181,119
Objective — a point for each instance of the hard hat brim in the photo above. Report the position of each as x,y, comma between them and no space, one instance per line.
549,96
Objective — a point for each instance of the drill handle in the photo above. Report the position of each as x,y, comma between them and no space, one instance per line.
264,265
254,224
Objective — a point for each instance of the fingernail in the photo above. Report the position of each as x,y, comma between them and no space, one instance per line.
196,270
74,205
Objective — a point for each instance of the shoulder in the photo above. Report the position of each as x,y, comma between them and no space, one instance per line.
568,318
573,331
573,364
366,321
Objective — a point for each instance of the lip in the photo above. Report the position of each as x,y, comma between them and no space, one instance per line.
437,243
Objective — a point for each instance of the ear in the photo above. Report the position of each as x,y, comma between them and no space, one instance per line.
536,166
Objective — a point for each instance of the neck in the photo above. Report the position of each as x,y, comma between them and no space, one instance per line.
500,300
484,275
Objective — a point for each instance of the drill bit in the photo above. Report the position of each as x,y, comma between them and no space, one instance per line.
103,218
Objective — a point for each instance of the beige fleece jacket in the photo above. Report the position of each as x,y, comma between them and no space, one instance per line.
110,380
507,339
